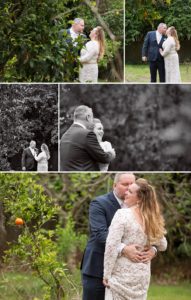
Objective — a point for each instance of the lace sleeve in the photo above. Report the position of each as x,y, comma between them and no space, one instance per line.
167,47
162,244
91,50
39,157
114,238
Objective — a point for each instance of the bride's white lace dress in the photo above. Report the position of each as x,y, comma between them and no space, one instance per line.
171,61
107,147
89,57
127,280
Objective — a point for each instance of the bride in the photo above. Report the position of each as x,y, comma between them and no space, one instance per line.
42,159
90,54
171,60
141,224
106,146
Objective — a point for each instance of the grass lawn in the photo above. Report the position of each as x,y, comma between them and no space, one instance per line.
22,286
140,73
174,292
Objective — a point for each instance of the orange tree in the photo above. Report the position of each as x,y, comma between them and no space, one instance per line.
31,48
37,244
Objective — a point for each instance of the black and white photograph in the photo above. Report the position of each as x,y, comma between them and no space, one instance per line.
28,127
125,127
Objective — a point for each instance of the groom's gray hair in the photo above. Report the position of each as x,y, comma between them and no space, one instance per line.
78,20
161,24
81,112
118,176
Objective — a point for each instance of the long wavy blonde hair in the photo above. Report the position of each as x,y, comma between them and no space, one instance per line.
174,34
100,37
44,147
150,210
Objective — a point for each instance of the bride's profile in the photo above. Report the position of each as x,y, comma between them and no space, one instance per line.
105,145
90,55
140,224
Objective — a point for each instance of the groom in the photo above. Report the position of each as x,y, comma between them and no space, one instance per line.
150,51
28,157
75,30
101,212
79,147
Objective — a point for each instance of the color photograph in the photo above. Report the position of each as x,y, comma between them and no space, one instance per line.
54,231
158,41
61,41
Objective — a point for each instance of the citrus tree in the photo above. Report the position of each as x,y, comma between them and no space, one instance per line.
35,46
27,207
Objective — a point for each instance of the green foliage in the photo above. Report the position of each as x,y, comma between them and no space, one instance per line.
143,16
34,45
26,112
32,48
35,247
69,241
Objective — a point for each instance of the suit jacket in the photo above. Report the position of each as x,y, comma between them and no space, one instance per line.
67,31
28,160
151,47
80,150
101,213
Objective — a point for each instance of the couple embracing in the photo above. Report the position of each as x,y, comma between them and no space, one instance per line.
126,231
160,49
92,51
32,160
82,147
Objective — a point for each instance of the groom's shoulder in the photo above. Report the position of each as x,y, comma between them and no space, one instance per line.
103,199
26,149
151,32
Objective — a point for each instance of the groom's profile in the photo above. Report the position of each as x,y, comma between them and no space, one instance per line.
76,30
150,51
79,147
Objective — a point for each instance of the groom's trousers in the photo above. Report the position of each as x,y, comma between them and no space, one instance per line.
155,66
93,288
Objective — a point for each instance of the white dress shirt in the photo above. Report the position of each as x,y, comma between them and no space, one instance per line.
32,151
73,34
159,36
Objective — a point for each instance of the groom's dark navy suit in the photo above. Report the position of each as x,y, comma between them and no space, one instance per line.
151,51
80,150
101,213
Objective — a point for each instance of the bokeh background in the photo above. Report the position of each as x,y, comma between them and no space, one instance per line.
148,125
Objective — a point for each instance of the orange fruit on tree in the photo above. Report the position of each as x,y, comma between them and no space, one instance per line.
19,221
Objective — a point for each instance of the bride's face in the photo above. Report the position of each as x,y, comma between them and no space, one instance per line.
98,130
131,198
93,34
168,32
